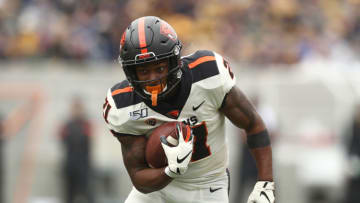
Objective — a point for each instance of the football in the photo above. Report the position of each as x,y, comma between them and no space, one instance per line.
154,153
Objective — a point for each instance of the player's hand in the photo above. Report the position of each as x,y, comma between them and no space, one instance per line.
263,193
178,157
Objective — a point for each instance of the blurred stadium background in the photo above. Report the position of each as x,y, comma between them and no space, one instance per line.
298,60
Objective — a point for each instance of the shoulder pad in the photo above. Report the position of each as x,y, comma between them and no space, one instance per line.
124,95
202,64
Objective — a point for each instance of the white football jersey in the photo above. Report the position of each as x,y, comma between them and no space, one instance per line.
207,78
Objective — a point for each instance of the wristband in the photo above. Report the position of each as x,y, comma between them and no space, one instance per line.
257,140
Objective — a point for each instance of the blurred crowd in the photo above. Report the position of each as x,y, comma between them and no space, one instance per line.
248,31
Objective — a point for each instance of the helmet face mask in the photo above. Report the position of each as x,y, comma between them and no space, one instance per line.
150,40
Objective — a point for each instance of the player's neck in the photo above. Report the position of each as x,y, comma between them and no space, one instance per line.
173,95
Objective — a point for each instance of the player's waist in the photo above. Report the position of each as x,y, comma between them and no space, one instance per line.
214,180
207,169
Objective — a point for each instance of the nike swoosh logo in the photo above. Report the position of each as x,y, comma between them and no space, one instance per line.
196,107
181,160
215,189
263,193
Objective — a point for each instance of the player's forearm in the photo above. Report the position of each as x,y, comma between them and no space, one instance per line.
263,158
260,147
149,180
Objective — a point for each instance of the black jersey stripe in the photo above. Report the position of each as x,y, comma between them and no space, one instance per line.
121,85
202,65
201,60
198,54
204,70
122,96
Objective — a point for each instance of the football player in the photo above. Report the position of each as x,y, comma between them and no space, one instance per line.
198,90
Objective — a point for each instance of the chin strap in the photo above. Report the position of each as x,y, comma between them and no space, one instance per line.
154,91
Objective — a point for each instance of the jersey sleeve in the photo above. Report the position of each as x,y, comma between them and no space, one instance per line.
226,79
117,119
109,113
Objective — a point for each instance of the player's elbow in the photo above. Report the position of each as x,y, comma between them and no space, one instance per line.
148,188
146,185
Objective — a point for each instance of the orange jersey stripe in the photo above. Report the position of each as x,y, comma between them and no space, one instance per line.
201,60
123,90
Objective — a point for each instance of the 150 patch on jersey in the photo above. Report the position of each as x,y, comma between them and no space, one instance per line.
137,114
